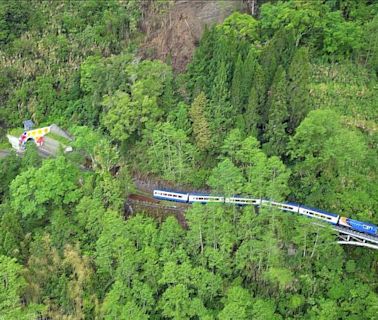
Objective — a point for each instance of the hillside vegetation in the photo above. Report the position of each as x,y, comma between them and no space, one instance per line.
283,106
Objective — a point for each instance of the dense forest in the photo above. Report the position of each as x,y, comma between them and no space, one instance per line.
280,105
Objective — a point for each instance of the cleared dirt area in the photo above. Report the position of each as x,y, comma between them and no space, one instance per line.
172,36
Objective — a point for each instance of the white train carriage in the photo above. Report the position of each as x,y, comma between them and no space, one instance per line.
203,198
243,201
292,207
319,214
171,196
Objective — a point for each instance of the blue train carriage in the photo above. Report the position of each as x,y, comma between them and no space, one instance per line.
318,214
359,226
171,196
204,198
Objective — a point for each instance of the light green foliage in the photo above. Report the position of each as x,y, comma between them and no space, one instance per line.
237,305
240,26
31,157
36,191
90,74
200,124
129,310
180,118
350,91
122,117
126,114
12,286
251,83
109,243
341,37
226,178
93,144
89,215
69,273
176,304
126,255
264,309
310,20
210,237
304,18
332,165
262,176
169,152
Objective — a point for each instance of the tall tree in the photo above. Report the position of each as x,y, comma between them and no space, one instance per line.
237,304
221,112
298,88
237,94
275,133
255,112
226,178
169,152
200,78
200,124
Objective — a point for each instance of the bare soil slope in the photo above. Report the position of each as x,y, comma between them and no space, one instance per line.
172,36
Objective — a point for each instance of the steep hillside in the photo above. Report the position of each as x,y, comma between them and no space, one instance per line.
174,33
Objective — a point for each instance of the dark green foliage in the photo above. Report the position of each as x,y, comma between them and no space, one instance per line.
14,18
221,112
298,93
371,38
9,168
255,114
275,132
200,76
237,93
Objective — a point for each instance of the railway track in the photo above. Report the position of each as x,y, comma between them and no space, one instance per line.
156,207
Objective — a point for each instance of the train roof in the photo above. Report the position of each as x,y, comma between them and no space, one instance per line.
293,204
205,195
242,197
171,191
320,211
362,222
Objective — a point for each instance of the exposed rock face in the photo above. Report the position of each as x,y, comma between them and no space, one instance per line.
174,35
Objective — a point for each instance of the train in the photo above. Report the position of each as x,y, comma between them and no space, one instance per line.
335,219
